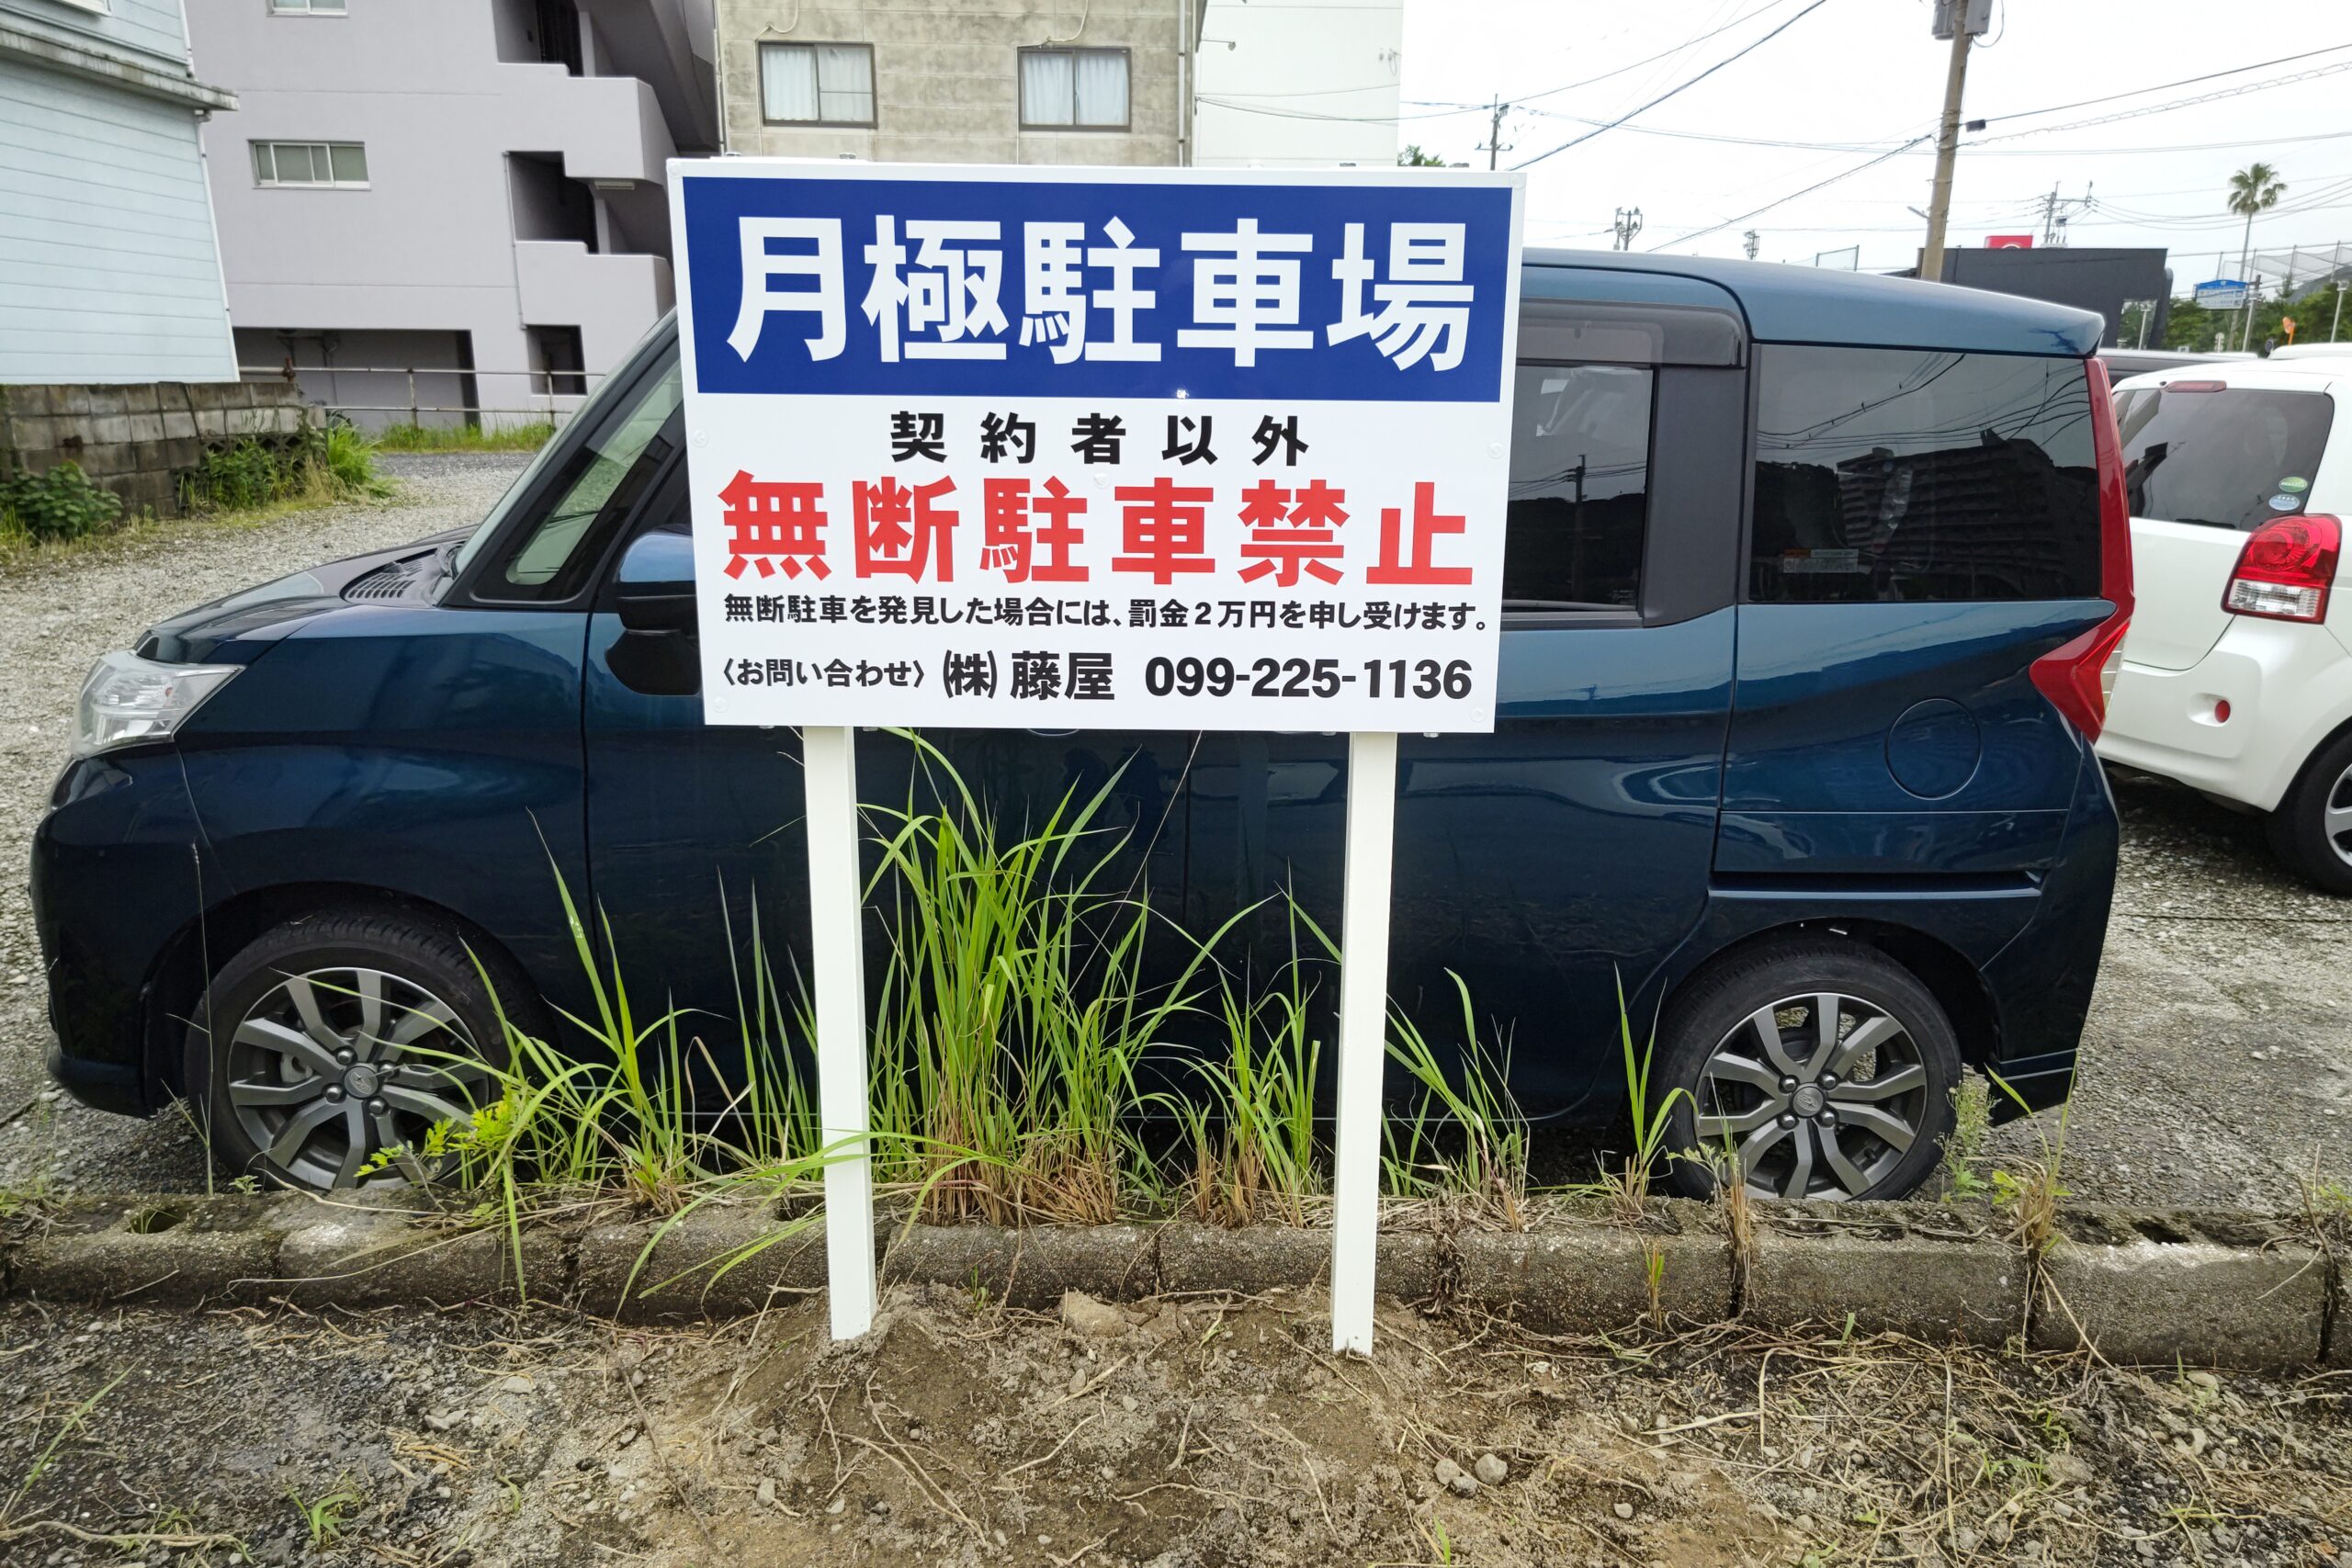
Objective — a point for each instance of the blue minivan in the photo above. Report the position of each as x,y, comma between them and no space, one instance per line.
1813,585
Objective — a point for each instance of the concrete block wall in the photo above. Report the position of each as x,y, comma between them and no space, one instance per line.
137,440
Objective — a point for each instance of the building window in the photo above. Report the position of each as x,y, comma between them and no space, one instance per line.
1073,89
340,163
817,84
306,7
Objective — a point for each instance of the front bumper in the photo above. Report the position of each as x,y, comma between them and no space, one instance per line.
115,879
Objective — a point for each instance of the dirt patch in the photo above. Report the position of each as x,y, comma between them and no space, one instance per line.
1208,1431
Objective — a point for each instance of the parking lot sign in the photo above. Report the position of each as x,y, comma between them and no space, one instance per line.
1146,448
1097,448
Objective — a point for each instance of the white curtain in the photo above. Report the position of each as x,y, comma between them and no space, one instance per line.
1102,86
788,82
845,82
1047,94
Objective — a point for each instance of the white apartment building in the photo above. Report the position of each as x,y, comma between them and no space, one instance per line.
448,209
1305,84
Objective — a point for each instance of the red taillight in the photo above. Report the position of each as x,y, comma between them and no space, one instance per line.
2286,568
2195,385
2078,676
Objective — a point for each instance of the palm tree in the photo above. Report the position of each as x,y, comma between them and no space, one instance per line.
2253,190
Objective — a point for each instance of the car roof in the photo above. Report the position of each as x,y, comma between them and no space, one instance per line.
1810,304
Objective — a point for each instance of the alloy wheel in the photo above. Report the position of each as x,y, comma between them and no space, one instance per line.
2335,817
333,1066
1817,1096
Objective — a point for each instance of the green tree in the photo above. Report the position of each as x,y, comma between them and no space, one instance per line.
1412,157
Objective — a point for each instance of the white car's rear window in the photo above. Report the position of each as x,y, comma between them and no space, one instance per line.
2226,456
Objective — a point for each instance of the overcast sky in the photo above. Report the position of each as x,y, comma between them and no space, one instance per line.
1853,79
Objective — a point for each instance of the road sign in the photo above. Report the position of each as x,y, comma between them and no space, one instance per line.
1097,448
1100,448
2221,293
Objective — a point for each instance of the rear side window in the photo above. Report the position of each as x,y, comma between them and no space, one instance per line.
2225,457
1914,476
1579,486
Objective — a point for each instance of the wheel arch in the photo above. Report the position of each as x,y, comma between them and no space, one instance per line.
1946,972
200,950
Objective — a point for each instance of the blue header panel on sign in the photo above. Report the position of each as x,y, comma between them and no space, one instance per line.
1063,288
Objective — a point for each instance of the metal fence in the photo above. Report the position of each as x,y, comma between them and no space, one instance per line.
558,391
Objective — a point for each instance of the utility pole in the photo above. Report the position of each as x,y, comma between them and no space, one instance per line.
1961,21
1495,145
1748,243
1628,223
2056,209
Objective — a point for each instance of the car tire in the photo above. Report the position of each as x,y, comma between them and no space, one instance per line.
344,1036
2311,831
1868,1120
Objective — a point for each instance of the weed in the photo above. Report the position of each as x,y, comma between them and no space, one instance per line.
1466,1139
1971,1107
314,467
325,1516
1012,1010
618,1114
64,503
527,436
2327,1207
2031,1199
1652,1124
1653,1277
65,1428
1254,1150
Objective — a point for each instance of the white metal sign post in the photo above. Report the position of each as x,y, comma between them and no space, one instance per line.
1364,1034
1097,448
836,897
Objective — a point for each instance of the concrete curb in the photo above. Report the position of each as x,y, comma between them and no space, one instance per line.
2146,1287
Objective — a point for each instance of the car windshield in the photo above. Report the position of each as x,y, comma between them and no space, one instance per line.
625,413
2224,457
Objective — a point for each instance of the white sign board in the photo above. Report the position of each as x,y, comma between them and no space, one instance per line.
1097,448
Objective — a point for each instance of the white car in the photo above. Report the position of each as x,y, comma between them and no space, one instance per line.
2237,672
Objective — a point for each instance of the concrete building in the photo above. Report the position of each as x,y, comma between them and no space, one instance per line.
108,268
1305,84
913,80
431,209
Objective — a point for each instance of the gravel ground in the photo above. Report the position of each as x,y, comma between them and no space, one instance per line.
1188,1433
2217,1064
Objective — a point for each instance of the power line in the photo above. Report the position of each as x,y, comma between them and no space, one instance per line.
1783,201
1678,88
2162,86
1647,59
2312,76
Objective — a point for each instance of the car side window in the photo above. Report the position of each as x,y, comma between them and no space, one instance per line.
1579,486
1922,475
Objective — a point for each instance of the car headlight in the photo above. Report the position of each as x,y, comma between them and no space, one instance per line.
128,699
